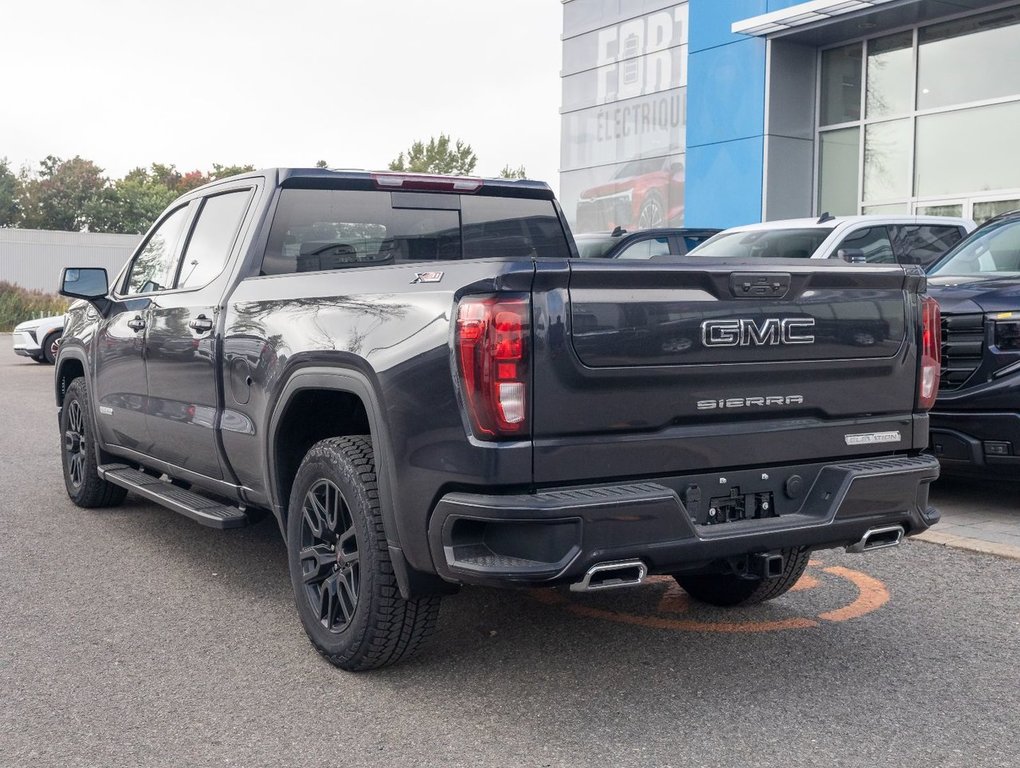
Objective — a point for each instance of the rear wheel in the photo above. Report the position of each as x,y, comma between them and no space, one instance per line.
347,594
78,453
727,589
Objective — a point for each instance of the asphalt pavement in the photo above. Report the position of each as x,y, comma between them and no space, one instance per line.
134,637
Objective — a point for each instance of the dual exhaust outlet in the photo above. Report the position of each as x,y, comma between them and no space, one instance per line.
631,573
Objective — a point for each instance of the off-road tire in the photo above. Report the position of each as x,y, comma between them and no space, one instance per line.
78,455
49,353
383,627
728,590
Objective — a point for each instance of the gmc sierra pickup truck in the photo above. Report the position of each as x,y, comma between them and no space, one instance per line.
422,383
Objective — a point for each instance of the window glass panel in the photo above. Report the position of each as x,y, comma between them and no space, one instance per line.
871,245
646,192
985,211
511,227
841,85
942,209
969,150
648,126
970,59
890,75
156,264
887,148
839,159
922,243
766,243
322,229
885,210
995,249
213,237
646,249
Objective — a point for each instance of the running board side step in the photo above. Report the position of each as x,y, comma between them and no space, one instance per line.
878,538
188,503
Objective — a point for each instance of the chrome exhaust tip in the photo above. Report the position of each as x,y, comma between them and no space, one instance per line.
619,573
878,538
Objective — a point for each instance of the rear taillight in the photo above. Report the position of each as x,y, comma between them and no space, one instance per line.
931,353
491,347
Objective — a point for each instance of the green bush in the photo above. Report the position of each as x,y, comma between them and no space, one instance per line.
18,304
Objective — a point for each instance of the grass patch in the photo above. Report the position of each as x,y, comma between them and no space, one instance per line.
19,304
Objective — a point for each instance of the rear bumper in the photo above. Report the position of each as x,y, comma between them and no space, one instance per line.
976,443
556,535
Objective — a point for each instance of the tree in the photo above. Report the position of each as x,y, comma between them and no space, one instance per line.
133,203
10,191
65,195
513,173
437,157
223,171
321,164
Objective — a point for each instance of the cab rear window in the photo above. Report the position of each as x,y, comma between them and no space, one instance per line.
325,229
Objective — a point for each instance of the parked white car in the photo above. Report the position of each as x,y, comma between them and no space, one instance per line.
874,239
38,339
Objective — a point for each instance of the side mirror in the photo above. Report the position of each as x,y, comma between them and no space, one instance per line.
851,255
89,283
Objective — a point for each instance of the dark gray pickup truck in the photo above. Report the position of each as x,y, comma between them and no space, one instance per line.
426,388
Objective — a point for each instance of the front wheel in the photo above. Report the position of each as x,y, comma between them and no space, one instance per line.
78,453
727,589
49,348
347,594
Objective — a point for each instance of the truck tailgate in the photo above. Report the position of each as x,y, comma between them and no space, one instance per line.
667,368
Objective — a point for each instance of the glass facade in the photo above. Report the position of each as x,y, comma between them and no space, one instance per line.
624,113
922,120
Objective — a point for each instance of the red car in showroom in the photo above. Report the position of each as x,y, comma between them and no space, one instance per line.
642,194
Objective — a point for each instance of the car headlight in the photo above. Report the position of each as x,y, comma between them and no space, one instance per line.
1007,330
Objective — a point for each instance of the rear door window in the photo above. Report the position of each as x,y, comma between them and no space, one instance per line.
325,229
869,245
923,244
213,237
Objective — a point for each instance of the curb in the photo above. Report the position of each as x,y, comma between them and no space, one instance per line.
969,544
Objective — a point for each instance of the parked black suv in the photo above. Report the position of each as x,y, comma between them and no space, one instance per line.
422,383
976,420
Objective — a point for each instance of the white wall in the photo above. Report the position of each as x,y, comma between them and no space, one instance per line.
33,258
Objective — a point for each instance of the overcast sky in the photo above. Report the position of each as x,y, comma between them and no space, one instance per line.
352,82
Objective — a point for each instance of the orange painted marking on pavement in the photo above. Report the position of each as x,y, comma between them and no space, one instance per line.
807,581
873,595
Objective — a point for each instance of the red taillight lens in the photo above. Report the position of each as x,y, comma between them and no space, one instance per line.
931,353
492,360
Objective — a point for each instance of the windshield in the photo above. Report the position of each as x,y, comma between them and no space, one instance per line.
993,250
594,246
769,243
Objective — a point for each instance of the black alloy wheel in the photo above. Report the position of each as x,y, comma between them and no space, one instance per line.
330,563
74,444
80,455
344,582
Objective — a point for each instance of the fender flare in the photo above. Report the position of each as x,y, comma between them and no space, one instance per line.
353,382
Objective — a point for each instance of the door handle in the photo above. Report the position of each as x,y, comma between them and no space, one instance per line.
136,323
201,324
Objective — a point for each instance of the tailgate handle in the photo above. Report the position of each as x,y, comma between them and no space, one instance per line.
757,285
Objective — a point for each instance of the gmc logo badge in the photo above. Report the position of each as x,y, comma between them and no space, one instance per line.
745,332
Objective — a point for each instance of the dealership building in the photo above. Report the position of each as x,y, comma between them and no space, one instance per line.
712,113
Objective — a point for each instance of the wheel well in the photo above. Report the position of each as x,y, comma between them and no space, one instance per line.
69,371
310,416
